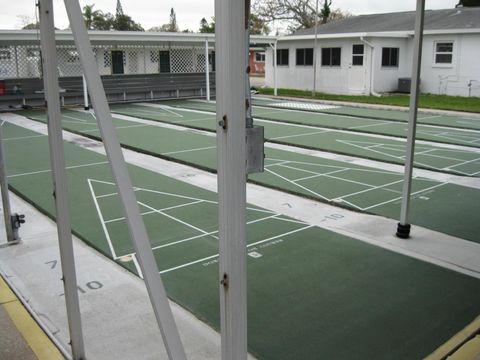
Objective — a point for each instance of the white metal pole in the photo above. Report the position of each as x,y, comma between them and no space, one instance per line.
315,51
85,93
403,228
275,68
60,194
136,226
231,156
207,71
7,210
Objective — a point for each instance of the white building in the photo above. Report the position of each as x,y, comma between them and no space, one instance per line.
368,54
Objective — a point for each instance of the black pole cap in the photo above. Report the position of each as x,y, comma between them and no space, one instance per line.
403,231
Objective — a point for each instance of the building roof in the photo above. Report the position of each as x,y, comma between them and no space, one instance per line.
448,20
123,37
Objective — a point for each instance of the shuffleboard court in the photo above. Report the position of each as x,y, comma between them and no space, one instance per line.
311,291
433,157
441,134
467,121
356,187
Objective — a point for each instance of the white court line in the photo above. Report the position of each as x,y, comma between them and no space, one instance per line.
154,211
76,120
298,185
463,163
209,234
68,168
297,135
121,127
137,266
367,190
23,137
249,245
102,220
189,150
398,198
175,219
364,126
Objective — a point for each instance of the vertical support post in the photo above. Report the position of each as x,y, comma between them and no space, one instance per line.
315,52
16,61
403,228
207,71
85,93
131,211
231,157
50,81
275,68
7,211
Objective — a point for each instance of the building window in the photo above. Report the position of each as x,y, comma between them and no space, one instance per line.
164,57
305,57
331,56
357,54
282,57
5,55
390,57
260,57
443,52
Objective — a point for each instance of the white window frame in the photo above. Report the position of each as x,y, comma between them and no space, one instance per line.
435,53
261,53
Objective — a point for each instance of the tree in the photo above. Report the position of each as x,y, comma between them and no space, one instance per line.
468,3
206,27
258,26
97,19
125,23
298,13
171,26
28,23
325,12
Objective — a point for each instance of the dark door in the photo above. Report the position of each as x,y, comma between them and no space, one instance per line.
117,62
164,61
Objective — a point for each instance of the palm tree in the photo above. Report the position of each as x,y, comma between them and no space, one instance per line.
89,15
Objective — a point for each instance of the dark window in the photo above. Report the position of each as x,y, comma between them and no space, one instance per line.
357,55
305,57
443,53
331,56
390,57
164,57
282,57
260,57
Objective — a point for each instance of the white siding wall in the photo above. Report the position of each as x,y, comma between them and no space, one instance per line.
436,79
452,79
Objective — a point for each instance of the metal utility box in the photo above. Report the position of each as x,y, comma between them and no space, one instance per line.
255,149
404,85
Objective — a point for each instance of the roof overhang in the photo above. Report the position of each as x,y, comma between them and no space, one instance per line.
123,37
390,34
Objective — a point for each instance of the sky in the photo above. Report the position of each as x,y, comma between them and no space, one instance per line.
151,13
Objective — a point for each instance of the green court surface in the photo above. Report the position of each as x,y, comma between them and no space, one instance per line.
432,157
459,121
356,187
449,135
311,292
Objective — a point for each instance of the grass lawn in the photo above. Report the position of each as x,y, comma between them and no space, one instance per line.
428,101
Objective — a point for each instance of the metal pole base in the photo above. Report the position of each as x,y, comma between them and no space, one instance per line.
86,108
403,231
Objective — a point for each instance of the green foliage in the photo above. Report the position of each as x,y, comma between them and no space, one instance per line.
171,26
98,20
258,26
325,12
206,27
427,101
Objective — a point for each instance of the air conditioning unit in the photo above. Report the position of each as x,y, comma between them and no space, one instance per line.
404,85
